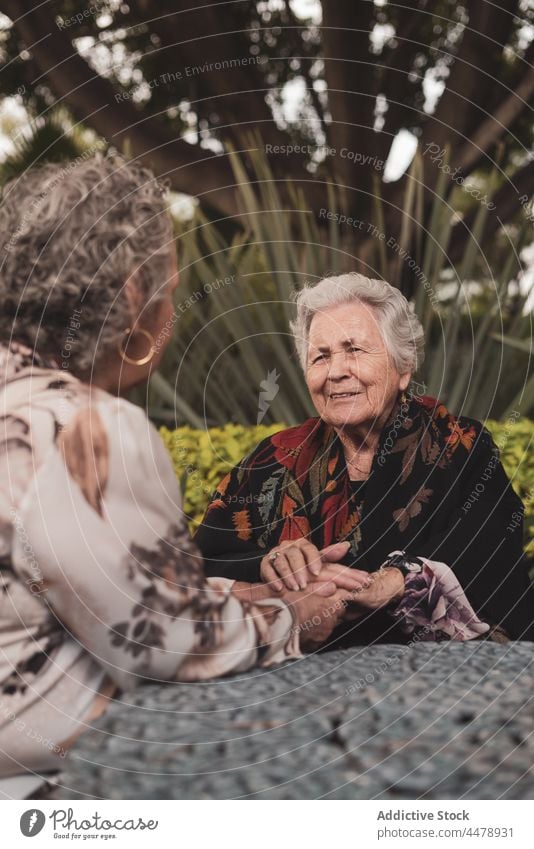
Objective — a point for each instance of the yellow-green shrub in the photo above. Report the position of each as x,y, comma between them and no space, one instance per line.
203,457
515,439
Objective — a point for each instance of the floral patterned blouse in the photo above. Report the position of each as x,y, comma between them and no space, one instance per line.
99,581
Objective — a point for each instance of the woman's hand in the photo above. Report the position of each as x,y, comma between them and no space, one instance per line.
261,592
316,610
343,577
295,563
385,587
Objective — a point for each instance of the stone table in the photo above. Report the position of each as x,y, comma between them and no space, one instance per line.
428,721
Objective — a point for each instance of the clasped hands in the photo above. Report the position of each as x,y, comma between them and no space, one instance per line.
297,564
313,583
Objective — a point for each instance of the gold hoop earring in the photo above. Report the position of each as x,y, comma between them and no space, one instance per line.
142,360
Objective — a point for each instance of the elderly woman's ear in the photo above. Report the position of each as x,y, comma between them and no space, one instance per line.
147,328
135,300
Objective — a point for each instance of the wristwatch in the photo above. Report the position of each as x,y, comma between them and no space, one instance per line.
408,565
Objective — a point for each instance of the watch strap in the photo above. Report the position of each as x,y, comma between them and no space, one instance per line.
407,564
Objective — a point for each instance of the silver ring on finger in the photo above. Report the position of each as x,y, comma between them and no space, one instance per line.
272,557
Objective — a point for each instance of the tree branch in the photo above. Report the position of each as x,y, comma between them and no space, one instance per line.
467,91
351,77
92,100
507,202
204,39
493,127
467,151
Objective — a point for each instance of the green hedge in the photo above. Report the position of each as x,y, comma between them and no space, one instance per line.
202,457
515,439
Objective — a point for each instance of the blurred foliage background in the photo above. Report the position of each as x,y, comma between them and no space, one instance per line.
477,325
301,138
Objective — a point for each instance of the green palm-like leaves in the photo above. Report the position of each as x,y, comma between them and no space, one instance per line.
233,334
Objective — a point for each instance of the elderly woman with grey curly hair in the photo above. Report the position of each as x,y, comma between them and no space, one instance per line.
379,484
100,585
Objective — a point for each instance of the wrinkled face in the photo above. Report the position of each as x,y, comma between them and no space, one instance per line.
350,375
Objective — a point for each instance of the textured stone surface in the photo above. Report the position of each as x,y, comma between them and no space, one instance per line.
430,721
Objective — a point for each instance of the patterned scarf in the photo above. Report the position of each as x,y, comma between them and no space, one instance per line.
299,483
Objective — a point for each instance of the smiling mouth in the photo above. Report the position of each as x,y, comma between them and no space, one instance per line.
335,395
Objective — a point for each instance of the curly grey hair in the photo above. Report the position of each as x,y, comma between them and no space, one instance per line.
70,237
400,328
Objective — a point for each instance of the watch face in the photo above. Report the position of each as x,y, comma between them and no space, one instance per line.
400,560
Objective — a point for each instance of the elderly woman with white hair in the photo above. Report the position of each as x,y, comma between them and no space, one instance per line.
384,476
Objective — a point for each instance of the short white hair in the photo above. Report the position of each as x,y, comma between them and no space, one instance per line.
400,328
